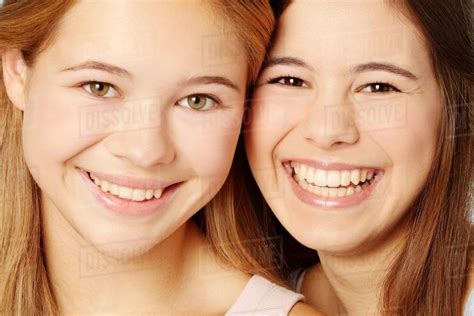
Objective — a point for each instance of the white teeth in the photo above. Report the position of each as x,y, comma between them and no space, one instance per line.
334,179
149,194
355,177
332,183
341,192
105,186
332,192
370,175
297,177
331,178
296,166
125,192
350,191
303,170
157,193
320,177
138,195
114,189
316,190
363,175
310,175
345,178
324,191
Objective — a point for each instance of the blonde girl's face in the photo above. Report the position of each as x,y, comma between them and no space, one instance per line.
344,123
147,99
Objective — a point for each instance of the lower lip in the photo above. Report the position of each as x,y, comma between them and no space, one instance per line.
128,207
331,202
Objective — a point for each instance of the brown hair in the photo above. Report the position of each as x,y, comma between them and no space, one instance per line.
24,285
429,276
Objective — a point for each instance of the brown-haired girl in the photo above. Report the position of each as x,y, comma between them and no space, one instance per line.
360,140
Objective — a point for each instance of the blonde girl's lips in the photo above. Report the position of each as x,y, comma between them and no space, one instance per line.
128,205
339,186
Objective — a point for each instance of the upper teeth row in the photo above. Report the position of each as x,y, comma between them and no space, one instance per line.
332,178
126,192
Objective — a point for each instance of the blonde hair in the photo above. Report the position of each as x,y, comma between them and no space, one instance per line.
227,220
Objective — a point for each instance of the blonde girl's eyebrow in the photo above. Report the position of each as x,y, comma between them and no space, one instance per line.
214,80
96,65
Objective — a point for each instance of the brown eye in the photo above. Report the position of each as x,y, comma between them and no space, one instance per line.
291,81
198,102
288,81
100,89
379,87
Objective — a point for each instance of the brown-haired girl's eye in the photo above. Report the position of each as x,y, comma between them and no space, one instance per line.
379,87
288,81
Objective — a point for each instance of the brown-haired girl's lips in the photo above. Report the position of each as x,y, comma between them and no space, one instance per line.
331,185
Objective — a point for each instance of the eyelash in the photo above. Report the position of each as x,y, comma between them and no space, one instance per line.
391,87
90,82
276,80
387,85
215,100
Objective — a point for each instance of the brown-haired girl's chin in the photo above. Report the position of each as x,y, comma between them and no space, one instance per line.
119,190
360,139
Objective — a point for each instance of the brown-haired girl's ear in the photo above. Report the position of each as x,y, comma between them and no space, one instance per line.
14,76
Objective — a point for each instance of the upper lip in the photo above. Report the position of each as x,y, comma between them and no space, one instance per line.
326,165
132,182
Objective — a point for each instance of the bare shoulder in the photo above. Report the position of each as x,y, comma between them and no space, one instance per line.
303,309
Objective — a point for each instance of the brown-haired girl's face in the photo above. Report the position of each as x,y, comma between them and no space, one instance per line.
344,123
146,98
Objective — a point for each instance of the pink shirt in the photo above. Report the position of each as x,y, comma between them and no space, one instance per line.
262,297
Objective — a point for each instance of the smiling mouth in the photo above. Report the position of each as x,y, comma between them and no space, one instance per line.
332,183
126,193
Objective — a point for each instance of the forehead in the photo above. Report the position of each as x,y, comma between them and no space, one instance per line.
348,31
129,31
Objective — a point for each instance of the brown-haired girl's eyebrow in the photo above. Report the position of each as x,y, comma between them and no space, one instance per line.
115,70
287,61
374,66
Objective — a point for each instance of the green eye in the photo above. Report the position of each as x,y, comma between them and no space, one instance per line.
100,89
198,102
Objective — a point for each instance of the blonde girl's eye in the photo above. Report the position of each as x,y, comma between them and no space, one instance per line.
200,102
100,89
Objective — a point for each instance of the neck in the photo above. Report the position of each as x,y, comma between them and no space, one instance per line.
353,284
85,281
